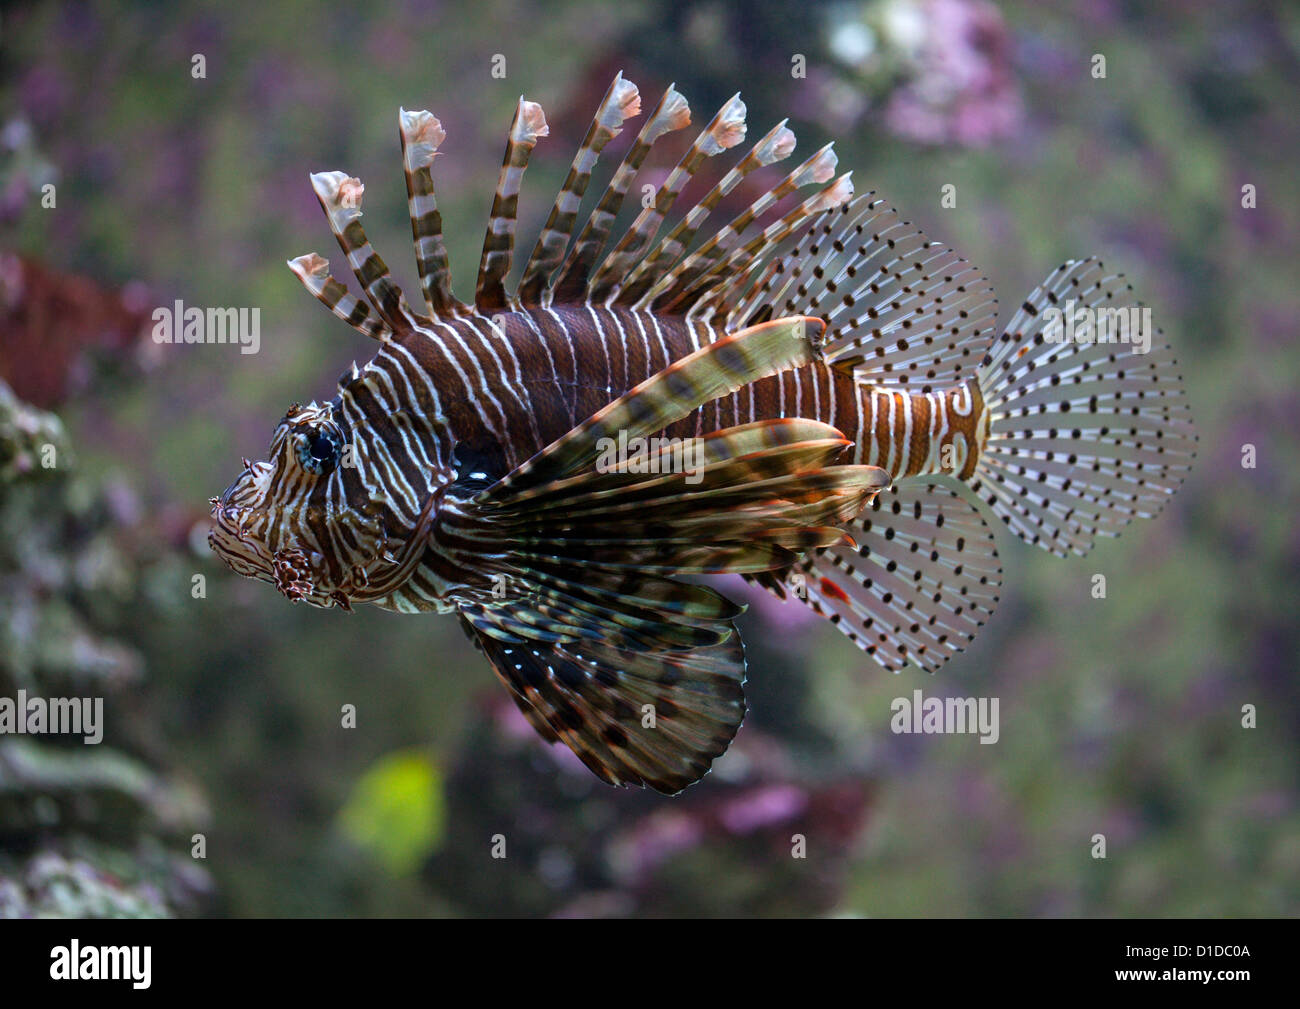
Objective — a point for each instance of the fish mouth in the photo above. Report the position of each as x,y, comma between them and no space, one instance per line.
231,540
293,571
303,575
299,575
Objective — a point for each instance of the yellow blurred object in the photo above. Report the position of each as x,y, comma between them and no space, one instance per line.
395,810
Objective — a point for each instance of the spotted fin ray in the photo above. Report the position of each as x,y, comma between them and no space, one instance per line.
900,309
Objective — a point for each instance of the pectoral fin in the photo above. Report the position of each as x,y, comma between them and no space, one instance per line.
655,717
567,562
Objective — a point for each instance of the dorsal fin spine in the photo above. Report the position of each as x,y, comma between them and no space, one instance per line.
621,102
340,198
732,275
421,136
528,126
776,146
672,113
725,130
669,288
314,272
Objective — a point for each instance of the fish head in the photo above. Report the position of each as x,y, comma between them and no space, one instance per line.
308,521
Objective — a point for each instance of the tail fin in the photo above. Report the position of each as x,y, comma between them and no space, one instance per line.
1089,423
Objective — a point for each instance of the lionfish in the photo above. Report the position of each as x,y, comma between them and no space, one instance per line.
837,373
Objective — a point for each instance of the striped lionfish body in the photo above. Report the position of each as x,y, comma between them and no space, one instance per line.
811,398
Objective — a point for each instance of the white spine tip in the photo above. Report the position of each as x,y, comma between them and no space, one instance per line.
822,166
326,183
337,189
729,129
311,264
781,146
313,270
422,134
530,123
624,102
676,112
350,192
836,194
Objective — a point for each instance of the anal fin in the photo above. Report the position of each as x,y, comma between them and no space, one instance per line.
922,580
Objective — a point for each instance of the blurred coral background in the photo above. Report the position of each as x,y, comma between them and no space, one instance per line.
1120,716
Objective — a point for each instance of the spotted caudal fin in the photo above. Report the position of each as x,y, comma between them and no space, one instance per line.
1089,426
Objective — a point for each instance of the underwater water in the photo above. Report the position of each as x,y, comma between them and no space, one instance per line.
264,759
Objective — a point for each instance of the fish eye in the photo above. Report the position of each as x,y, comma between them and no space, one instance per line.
318,449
